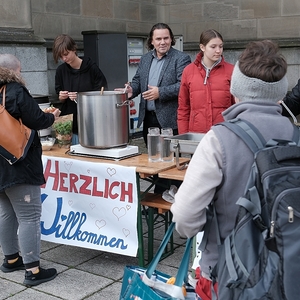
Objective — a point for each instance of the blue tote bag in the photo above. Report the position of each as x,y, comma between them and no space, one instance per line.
149,284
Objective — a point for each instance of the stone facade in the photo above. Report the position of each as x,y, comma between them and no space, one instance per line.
28,27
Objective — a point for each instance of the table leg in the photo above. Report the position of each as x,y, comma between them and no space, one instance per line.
141,254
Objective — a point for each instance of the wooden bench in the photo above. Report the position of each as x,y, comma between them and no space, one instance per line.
156,201
157,207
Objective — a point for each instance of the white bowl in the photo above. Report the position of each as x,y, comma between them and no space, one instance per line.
47,143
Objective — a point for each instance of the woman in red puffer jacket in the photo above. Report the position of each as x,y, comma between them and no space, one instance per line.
205,87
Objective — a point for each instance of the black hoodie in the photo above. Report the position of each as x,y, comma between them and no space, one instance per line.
88,78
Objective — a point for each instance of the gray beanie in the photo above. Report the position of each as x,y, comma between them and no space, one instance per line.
251,89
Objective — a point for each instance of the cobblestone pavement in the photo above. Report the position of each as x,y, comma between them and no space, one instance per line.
85,273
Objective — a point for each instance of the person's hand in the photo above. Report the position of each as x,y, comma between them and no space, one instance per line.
56,113
63,95
127,89
152,93
72,96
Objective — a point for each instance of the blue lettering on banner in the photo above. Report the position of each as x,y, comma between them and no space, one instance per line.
71,229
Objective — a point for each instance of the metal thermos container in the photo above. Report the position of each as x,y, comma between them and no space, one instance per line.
43,102
103,119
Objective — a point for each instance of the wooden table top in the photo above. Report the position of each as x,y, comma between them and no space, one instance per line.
143,166
173,173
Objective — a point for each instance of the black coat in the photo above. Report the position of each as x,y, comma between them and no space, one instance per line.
292,100
20,104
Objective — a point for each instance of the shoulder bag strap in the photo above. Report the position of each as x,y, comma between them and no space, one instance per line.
2,90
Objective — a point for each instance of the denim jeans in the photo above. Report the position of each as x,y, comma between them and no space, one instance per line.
20,229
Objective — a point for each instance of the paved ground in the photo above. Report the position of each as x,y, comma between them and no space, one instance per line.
84,273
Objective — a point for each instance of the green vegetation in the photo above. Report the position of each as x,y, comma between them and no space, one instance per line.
63,127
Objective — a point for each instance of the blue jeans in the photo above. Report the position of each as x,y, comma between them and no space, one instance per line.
20,209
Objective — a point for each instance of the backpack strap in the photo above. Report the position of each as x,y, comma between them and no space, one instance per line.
296,136
255,141
247,132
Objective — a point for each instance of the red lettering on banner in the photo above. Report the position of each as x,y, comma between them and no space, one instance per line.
62,182
126,192
95,190
87,181
106,185
112,186
87,185
48,174
73,179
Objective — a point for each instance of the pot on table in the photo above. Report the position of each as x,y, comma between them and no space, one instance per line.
103,119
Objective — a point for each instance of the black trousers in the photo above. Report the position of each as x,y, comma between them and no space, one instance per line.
162,184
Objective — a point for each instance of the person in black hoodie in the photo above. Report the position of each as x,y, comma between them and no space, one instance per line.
75,75
20,183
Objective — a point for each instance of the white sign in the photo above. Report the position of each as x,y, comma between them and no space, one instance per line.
89,204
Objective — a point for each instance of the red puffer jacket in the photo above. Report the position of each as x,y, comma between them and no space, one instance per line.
201,105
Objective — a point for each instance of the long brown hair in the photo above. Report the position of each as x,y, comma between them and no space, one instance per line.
208,35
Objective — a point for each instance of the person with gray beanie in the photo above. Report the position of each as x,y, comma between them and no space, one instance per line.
221,164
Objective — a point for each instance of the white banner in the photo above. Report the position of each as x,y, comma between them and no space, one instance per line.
90,204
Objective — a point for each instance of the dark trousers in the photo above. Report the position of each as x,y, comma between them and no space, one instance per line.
162,184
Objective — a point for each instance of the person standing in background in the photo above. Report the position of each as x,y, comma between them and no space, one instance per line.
157,79
205,86
73,76
20,192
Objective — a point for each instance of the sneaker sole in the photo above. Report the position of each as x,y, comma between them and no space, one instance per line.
30,283
9,270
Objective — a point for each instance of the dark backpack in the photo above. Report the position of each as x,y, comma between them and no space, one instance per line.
260,259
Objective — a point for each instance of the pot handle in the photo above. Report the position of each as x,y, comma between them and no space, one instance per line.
126,102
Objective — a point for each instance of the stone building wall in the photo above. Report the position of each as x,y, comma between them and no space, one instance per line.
239,21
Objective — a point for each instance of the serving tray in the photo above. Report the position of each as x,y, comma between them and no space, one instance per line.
184,143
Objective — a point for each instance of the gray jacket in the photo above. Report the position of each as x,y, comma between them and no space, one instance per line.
168,83
219,170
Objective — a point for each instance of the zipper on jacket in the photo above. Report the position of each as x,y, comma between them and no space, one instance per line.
207,71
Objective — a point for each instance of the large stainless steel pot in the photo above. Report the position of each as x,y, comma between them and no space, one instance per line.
103,119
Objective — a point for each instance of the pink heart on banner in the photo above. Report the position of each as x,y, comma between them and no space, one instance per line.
100,224
68,165
126,232
119,212
111,171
